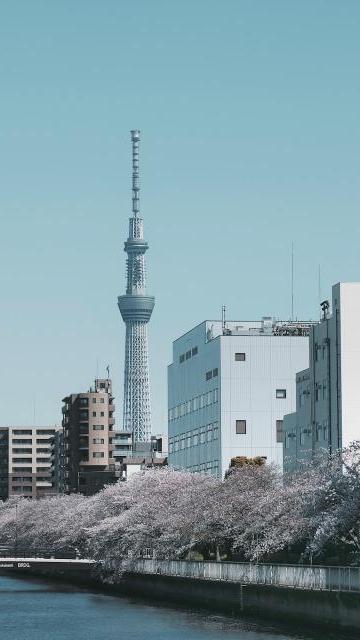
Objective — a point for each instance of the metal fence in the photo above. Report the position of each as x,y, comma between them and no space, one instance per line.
292,576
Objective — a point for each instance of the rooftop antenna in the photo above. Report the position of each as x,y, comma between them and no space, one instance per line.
292,281
135,138
319,287
108,371
223,319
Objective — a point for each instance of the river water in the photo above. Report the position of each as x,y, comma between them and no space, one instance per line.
40,610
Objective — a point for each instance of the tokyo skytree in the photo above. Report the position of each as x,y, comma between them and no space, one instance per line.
136,309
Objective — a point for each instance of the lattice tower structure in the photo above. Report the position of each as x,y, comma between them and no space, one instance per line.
136,308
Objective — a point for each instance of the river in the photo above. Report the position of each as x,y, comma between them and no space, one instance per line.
41,610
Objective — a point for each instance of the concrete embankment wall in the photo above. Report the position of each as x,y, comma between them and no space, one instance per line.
325,608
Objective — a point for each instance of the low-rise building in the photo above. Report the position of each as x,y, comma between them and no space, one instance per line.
327,415
229,386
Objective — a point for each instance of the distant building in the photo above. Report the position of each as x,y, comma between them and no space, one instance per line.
27,461
88,432
327,413
145,455
229,386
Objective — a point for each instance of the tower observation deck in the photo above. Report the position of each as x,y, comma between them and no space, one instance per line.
136,309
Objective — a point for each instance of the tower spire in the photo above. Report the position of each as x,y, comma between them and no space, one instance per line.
136,309
135,138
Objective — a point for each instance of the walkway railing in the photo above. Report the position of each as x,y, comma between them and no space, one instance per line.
292,576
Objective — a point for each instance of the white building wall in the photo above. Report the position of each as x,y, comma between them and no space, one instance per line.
347,296
248,392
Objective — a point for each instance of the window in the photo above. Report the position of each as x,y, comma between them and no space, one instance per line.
98,427
94,414
281,393
42,459
241,426
208,375
188,354
102,400
279,430
22,432
94,400
84,414
98,454
42,450
194,351
16,469
21,460
23,441
317,394
216,395
215,372
182,358
240,357
40,432
102,414
16,450
84,402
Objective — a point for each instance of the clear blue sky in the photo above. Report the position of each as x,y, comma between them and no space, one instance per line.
249,114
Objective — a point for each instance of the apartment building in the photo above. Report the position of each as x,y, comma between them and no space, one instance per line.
88,432
27,461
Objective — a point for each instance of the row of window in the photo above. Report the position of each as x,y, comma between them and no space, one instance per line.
84,414
321,435
84,402
28,432
193,438
199,402
188,354
17,460
29,441
29,469
209,468
213,373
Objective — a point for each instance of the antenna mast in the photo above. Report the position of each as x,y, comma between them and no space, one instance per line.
135,138
292,281
223,319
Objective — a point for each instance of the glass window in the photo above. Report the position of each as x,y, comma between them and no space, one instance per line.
98,454
281,393
208,375
216,395
102,400
279,430
241,427
182,358
84,402
215,372
94,400
240,357
194,351
98,427
188,354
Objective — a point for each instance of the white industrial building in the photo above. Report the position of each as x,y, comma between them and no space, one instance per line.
229,387
327,413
